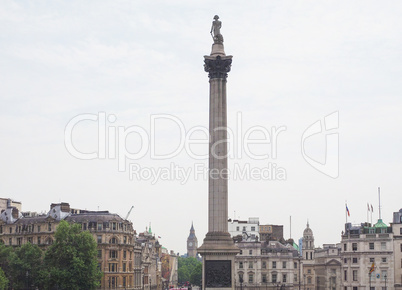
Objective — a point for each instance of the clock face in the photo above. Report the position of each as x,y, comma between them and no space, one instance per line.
190,244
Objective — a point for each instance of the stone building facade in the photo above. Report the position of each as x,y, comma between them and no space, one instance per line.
397,245
267,265
363,246
127,261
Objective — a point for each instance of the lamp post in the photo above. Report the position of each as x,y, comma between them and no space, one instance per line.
385,281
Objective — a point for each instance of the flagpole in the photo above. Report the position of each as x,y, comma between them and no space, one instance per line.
368,209
379,204
346,212
371,215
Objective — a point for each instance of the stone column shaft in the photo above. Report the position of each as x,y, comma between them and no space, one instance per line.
218,163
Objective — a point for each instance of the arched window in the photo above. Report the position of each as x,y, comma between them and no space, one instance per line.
113,241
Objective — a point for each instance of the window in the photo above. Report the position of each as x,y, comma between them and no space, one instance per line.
354,261
11,230
240,265
383,246
309,271
114,226
250,252
274,278
124,255
345,275
241,252
125,240
112,267
253,229
244,229
345,247
113,254
384,260
345,260
295,265
38,229
311,255
284,278
237,229
99,239
250,265
354,275
99,226
273,264
39,241
99,254
10,241
354,288
30,240
124,267
284,265
113,241
19,241
308,280
295,277
264,265
264,278
400,230
371,246
250,278
372,260
354,246
49,227
124,281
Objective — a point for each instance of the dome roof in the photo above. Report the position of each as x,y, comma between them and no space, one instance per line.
380,224
307,231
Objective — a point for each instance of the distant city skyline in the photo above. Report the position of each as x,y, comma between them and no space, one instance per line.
294,64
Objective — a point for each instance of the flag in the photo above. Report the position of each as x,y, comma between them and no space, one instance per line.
159,237
372,268
372,210
347,210
368,207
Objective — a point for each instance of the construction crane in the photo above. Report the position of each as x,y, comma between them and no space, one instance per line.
128,214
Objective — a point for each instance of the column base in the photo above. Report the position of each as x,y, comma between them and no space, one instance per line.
218,261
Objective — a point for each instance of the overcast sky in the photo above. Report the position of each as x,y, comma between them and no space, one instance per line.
294,62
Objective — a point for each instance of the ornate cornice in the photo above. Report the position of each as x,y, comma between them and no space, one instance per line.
217,67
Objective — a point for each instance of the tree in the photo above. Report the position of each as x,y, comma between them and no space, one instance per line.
3,280
196,275
26,267
71,261
186,268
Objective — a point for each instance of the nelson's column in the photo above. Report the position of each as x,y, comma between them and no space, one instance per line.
218,250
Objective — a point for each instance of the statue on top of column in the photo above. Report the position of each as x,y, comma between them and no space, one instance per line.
216,30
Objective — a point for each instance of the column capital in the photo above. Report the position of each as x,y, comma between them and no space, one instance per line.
217,67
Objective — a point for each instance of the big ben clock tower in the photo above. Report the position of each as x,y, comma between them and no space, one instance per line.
192,243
